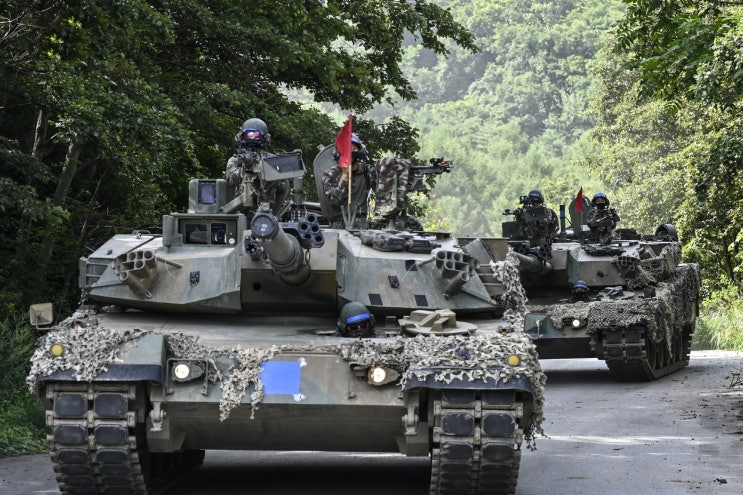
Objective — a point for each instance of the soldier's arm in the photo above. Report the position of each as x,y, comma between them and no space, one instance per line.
335,189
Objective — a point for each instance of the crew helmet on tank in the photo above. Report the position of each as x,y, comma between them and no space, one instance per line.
535,197
361,153
355,320
600,200
253,134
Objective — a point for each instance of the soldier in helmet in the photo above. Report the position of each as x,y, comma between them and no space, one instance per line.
580,292
363,178
602,220
355,320
244,168
535,222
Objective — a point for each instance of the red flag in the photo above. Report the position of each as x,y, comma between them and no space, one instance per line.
579,201
343,144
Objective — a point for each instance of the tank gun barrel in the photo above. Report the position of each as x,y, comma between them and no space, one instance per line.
284,250
532,264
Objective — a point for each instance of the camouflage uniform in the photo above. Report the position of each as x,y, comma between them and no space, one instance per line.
602,222
536,223
249,161
392,189
364,178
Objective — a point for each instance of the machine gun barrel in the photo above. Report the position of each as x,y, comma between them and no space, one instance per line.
284,250
532,264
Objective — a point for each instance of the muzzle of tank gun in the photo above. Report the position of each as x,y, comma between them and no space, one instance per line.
532,264
284,251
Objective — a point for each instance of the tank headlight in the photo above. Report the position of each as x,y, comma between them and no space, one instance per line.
56,350
513,360
181,371
186,370
576,323
379,375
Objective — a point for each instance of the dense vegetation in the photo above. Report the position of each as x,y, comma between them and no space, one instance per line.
108,108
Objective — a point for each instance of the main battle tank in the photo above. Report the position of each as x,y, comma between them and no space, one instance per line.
622,297
243,331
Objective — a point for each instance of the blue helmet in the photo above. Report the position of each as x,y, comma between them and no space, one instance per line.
600,195
355,320
361,153
535,196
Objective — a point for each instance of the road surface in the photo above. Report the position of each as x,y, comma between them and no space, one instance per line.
682,434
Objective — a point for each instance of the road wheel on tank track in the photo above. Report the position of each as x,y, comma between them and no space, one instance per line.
476,437
632,356
97,443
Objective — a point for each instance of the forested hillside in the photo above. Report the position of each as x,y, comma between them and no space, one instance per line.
512,117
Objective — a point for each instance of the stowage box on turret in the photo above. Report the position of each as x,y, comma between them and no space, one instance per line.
606,292
244,331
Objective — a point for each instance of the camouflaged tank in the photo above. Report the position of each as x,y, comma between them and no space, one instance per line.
223,332
619,296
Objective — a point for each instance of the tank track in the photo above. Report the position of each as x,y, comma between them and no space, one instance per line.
476,442
632,356
97,443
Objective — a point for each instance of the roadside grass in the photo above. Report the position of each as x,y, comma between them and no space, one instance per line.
720,324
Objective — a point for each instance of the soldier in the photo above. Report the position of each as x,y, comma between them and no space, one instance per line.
580,292
602,220
535,222
392,189
244,168
335,187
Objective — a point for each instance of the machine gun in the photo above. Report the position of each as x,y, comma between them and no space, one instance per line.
437,166
258,177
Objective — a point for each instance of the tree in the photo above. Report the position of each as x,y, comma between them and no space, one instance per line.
686,54
119,103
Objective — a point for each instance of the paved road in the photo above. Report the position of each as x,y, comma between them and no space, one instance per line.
680,435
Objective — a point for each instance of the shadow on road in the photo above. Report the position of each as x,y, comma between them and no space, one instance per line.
290,473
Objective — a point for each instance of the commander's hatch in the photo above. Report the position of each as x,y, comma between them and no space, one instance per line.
323,161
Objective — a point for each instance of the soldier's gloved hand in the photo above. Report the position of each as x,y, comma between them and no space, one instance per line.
345,173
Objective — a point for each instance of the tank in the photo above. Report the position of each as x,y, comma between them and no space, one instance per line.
246,331
605,292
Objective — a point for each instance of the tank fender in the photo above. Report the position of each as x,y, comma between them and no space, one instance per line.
426,378
143,361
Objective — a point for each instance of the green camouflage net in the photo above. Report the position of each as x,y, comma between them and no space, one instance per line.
671,308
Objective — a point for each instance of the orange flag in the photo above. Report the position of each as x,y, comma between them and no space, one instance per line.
343,144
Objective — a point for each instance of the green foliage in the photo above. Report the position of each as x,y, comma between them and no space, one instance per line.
21,416
718,325
511,117
109,108
675,123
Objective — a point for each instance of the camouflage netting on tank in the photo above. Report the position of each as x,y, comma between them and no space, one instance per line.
642,272
460,358
514,299
89,348
664,314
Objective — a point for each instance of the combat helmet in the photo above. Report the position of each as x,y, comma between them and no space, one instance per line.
355,320
597,196
253,134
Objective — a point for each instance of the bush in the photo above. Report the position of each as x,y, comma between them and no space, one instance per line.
719,324
22,425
